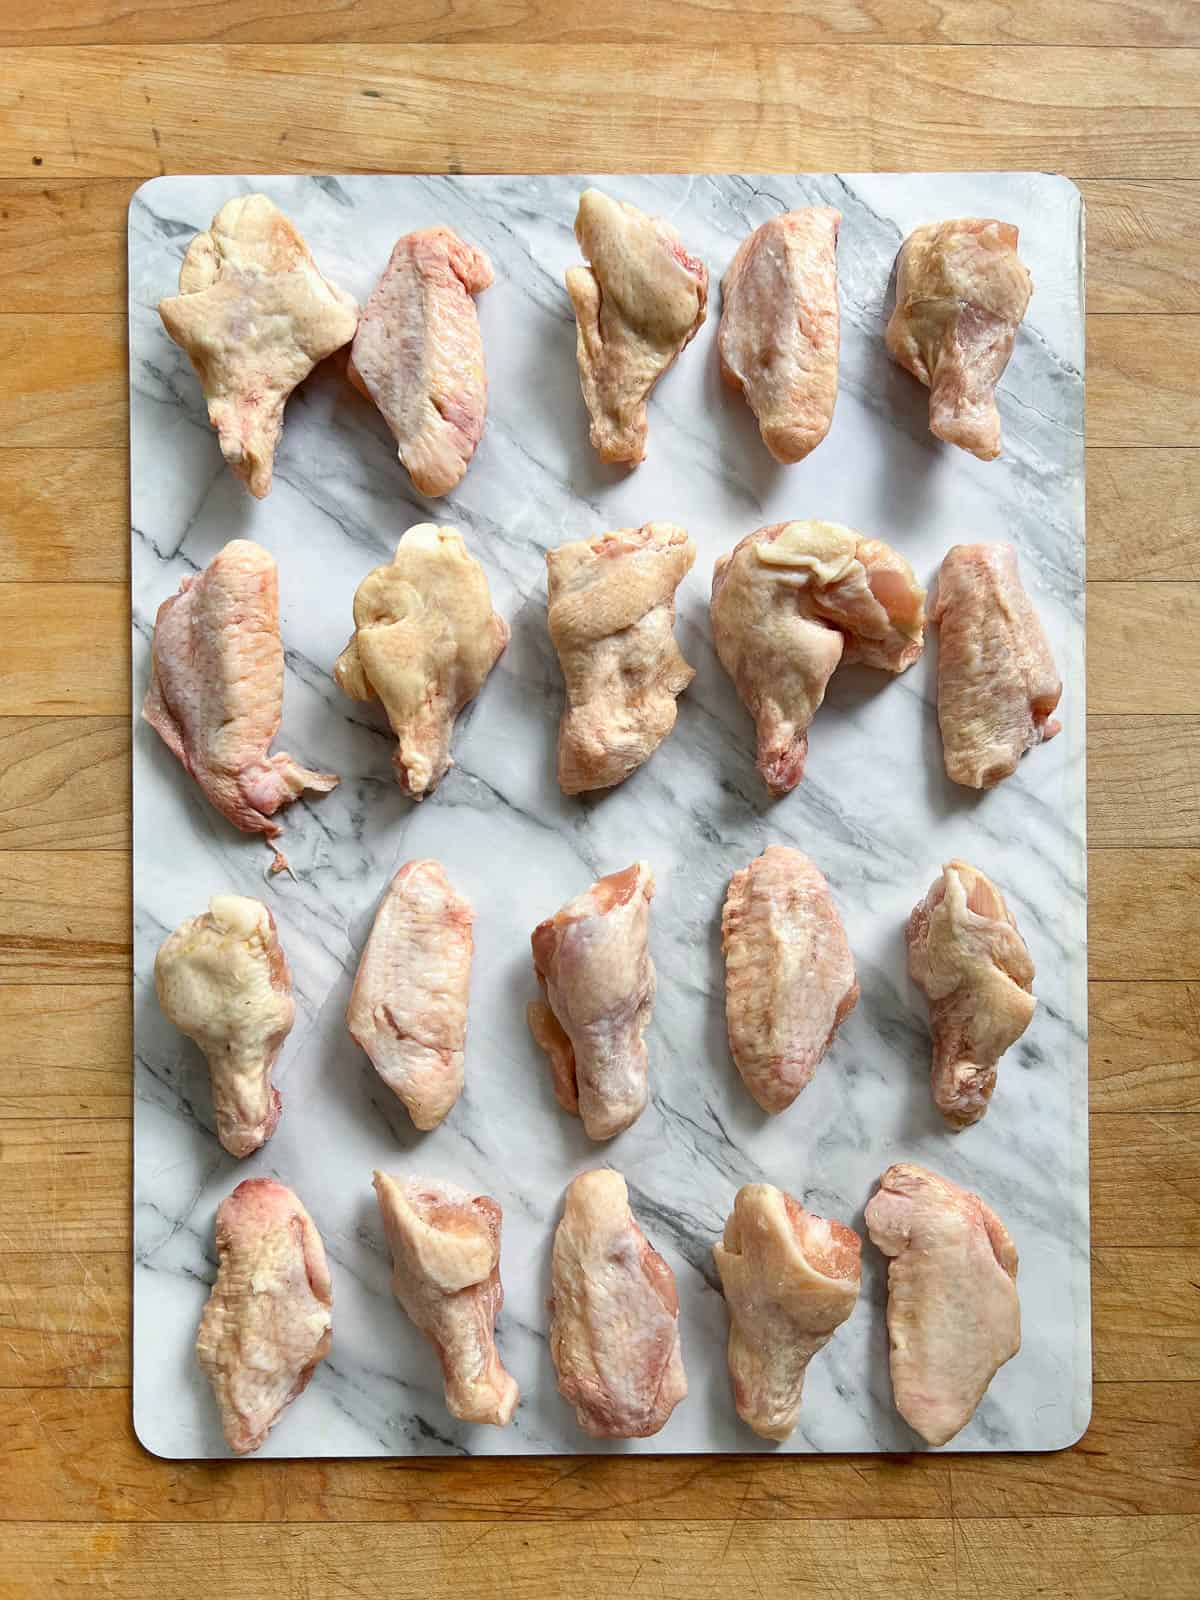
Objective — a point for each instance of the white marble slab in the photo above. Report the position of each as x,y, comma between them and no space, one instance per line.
874,810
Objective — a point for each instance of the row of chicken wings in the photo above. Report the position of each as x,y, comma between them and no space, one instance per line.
790,1279
223,979
255,315
789,604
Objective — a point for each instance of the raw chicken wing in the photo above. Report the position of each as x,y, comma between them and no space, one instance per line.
222,978
788,604
216,690
953,1314
789,974
446,1275
612,612
425,639
640,300
269,1318
997,684
965,952
595,971
255,316
961,291
408,1007
418,354
790,1280
614,1315
780,331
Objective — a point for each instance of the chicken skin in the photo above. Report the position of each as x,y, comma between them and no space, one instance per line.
614,1315
612,612
789,974
408,1007
223,979
425,639
953,1314
418,355
594,968
788,604
961,291
446,1275
255,316
997,683
790,1280
269,1318
965,953
780,331
216,690
640,300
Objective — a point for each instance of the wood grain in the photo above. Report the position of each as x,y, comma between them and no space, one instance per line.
1093,1558
1141,658
64,515
1143,509
62,380
1145,1315
1144,1046
1126,113
62,242
64,781
1055,22
1141,914
64,648
64,1322
1145,1180
1137,393
65,915
74,1042
1143,774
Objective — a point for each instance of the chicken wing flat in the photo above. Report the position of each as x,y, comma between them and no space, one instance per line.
788,604
961,291
965,953
216,690
780,331
418,354
445,1248
611,616
425,639
269,1318
789,974
222,978
614,1315
790,1280
593,965
953,1314
640,300
997,683
255,316
408,1007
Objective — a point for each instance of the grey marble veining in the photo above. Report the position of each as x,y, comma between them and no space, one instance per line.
874,810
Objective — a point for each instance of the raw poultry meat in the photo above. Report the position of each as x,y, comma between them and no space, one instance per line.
614,1315
780,331
953,1314
445,1248
788,604
269,1318
612,612
594,969
425,639
255,316
789,974
790,1280
997,684
222,978
408,1007
418,354
216,689
640,300
961,291
965,953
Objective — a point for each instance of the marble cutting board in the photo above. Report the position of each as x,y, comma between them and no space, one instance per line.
874,810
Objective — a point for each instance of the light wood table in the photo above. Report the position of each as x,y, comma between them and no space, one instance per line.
96,95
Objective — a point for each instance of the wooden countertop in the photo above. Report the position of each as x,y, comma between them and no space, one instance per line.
95,96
